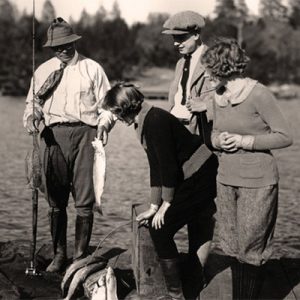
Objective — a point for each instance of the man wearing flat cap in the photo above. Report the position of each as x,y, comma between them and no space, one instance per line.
190,100
69,92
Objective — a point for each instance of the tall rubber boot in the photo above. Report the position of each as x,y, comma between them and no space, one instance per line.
58,226
247,281
83,232
192,277
170,269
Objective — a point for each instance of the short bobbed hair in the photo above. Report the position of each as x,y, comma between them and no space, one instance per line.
123,100
225,58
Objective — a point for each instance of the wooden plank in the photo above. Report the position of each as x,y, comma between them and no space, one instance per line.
8,291
282,279
291,267
148,275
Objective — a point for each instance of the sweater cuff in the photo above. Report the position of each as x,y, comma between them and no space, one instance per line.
155,195
247,142
167,193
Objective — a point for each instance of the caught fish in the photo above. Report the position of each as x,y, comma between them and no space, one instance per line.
77,265
99,171
106,286
111,284
33,166
99,291
80,276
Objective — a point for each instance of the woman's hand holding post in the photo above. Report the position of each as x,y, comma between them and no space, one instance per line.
159,218
146,215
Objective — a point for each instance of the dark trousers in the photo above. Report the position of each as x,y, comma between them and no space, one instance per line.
193,205
67,159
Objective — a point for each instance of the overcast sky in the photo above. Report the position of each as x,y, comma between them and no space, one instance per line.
131,10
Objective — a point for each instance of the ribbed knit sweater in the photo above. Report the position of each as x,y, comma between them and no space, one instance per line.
258,115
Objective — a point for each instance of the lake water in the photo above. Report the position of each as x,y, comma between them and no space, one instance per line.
127,182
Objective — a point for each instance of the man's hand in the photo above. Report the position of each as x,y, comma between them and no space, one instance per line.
98,208
195,106
32,124
102,134
159,219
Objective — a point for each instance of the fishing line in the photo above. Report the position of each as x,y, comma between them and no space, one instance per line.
107,236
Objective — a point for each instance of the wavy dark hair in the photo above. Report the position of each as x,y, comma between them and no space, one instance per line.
225,58
123,100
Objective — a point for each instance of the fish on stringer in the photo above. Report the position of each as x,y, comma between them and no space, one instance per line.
78,265
99,171
33,165
81,275
106,286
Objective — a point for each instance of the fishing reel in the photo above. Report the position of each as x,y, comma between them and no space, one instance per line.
32,271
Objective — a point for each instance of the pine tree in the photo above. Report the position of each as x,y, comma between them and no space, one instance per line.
85,20
273,9
8,45
242,8
231,16
101,13
295,13
225,8
116,11
8,11
48,12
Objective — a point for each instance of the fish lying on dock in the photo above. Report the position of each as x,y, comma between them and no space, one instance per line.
81,275
77,265
106,286
99,171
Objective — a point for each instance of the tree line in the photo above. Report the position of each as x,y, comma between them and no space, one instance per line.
271,39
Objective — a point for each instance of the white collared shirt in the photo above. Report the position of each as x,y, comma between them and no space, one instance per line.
78,96
179,110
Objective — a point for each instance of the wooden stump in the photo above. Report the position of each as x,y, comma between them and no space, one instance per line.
149,279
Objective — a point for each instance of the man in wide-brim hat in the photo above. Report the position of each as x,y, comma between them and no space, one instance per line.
60,33
190,100
70,89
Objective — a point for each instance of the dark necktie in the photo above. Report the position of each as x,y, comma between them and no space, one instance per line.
50,84
185,77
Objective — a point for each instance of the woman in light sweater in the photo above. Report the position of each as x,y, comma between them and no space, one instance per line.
247,125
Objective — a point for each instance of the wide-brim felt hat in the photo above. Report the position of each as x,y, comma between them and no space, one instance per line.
183,22
60,33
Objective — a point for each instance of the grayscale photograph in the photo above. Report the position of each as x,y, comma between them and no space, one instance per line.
150,149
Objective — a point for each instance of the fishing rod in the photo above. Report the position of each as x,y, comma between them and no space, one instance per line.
35,181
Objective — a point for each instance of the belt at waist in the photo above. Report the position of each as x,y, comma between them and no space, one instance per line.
184,121
70,124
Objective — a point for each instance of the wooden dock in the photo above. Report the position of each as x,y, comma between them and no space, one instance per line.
282,275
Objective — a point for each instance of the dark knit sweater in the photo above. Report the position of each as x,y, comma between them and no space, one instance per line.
168,145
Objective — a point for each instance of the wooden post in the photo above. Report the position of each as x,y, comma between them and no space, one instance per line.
149,279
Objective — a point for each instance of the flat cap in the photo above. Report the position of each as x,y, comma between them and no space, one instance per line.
183,22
